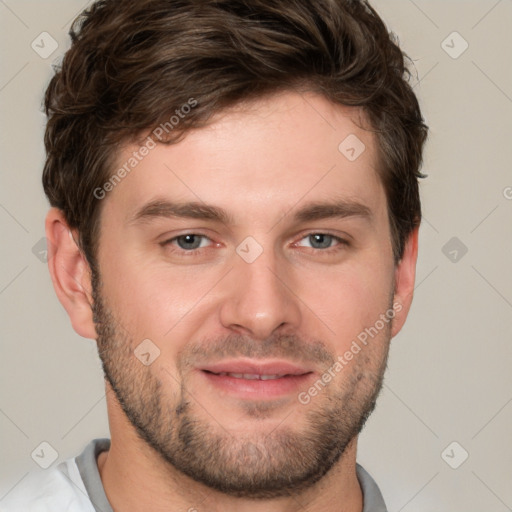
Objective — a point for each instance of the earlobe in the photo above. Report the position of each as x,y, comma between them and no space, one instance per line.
405,276
70,273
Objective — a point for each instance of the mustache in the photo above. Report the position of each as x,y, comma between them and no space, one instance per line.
282,346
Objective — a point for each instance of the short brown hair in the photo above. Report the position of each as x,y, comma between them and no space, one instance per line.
133,63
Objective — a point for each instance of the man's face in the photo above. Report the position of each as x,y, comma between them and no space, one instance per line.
263,288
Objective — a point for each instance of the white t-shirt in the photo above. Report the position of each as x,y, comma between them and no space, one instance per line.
75,486
72,486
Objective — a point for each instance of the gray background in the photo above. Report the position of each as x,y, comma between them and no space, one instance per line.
449,377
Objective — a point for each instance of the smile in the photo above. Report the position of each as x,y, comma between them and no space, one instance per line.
250,376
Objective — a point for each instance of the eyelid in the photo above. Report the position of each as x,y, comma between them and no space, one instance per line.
341,235
165,238
300,236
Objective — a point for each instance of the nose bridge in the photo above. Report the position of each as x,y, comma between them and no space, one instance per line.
257,299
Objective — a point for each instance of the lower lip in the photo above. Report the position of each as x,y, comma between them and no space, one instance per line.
259,389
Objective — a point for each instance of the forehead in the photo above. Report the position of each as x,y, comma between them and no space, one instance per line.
257,161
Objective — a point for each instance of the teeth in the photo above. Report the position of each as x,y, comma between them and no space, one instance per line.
250,376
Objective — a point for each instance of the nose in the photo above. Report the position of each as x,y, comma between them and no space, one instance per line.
259,299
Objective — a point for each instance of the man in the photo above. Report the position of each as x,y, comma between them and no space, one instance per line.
235,212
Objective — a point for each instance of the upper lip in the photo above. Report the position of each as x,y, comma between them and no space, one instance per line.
256,367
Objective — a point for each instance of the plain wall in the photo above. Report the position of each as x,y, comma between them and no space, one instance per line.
449,377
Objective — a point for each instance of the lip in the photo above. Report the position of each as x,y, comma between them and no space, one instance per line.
268,367
294,378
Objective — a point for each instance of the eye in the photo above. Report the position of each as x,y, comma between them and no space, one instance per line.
324,242
188,242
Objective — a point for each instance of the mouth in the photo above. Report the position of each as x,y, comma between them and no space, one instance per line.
250,376
257,380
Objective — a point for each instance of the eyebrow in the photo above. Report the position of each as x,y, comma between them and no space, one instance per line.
312,211
338,209
188,210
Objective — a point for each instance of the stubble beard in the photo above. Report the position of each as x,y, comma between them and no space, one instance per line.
255,465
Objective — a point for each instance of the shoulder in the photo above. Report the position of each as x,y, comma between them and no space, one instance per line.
51,490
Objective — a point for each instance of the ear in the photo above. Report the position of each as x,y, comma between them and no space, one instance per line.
70,273
405,275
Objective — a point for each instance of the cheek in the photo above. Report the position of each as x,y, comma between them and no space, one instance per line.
154,300
350,300
161,302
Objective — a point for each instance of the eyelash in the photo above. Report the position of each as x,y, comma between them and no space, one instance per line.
342,243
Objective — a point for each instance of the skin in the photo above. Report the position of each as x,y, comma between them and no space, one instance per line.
261,162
